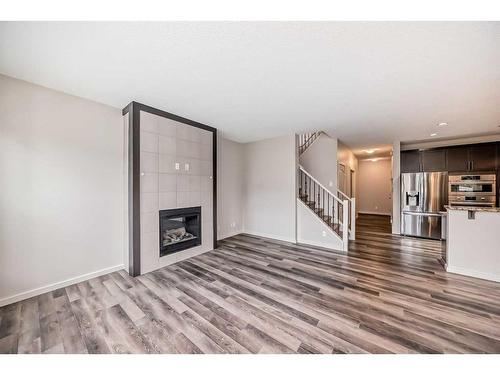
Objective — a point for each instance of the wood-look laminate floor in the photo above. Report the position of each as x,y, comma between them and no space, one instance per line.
389,295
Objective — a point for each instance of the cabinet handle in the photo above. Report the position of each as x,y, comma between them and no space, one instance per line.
472,165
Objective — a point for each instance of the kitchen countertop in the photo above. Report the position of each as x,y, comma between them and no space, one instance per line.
472,208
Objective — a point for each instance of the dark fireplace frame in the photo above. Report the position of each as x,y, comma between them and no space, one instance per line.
133,110
184,245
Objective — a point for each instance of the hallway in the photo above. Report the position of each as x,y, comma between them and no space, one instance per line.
375,241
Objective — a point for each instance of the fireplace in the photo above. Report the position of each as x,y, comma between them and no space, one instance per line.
180,229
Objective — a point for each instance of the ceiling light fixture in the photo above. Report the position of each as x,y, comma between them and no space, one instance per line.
434,134
441,124
370,151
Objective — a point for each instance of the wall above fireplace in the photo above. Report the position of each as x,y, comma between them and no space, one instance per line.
171,166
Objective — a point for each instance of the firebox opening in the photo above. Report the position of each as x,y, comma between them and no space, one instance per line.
180,229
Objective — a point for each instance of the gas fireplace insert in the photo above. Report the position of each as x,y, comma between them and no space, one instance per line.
180,229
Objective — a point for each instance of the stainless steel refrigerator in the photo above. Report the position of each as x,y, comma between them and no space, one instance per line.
423,196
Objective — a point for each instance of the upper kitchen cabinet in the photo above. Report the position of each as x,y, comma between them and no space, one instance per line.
423,161
433,160
410,161
482,157
472,158
458,159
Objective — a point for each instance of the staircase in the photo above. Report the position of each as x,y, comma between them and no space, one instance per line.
307,139
335,210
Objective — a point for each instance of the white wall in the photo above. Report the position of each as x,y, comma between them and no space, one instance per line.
230,179
374,186
61,189
269,191
320,160
314,231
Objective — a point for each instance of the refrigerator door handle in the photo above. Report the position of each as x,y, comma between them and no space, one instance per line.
420,213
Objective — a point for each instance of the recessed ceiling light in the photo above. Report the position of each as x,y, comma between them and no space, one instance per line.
441,124
370,151
434,134
373,159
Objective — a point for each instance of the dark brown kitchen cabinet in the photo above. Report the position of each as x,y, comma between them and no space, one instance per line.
433,160
482,157
410,161
458,159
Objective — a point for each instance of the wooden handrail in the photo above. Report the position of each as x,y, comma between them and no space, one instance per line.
319,183
307,139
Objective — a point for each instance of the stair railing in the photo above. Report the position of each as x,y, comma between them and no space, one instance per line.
352,213
306,139
331,209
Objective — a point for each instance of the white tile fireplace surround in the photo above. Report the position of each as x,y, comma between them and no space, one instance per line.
176,171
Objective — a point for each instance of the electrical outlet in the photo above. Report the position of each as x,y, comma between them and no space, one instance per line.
324,234
233,225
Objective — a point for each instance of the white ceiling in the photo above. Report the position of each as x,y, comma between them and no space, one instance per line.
367,83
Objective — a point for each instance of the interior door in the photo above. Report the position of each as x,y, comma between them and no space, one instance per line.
342,178
351,184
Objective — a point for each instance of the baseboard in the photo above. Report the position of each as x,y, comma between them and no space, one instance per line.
319,244
474,273
49,288
375,213
230,234
271,236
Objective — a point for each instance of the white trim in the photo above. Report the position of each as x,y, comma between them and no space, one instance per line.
61,284
473,273
270,236
374,159
375,213
320,244
343,195
229,234
345,225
